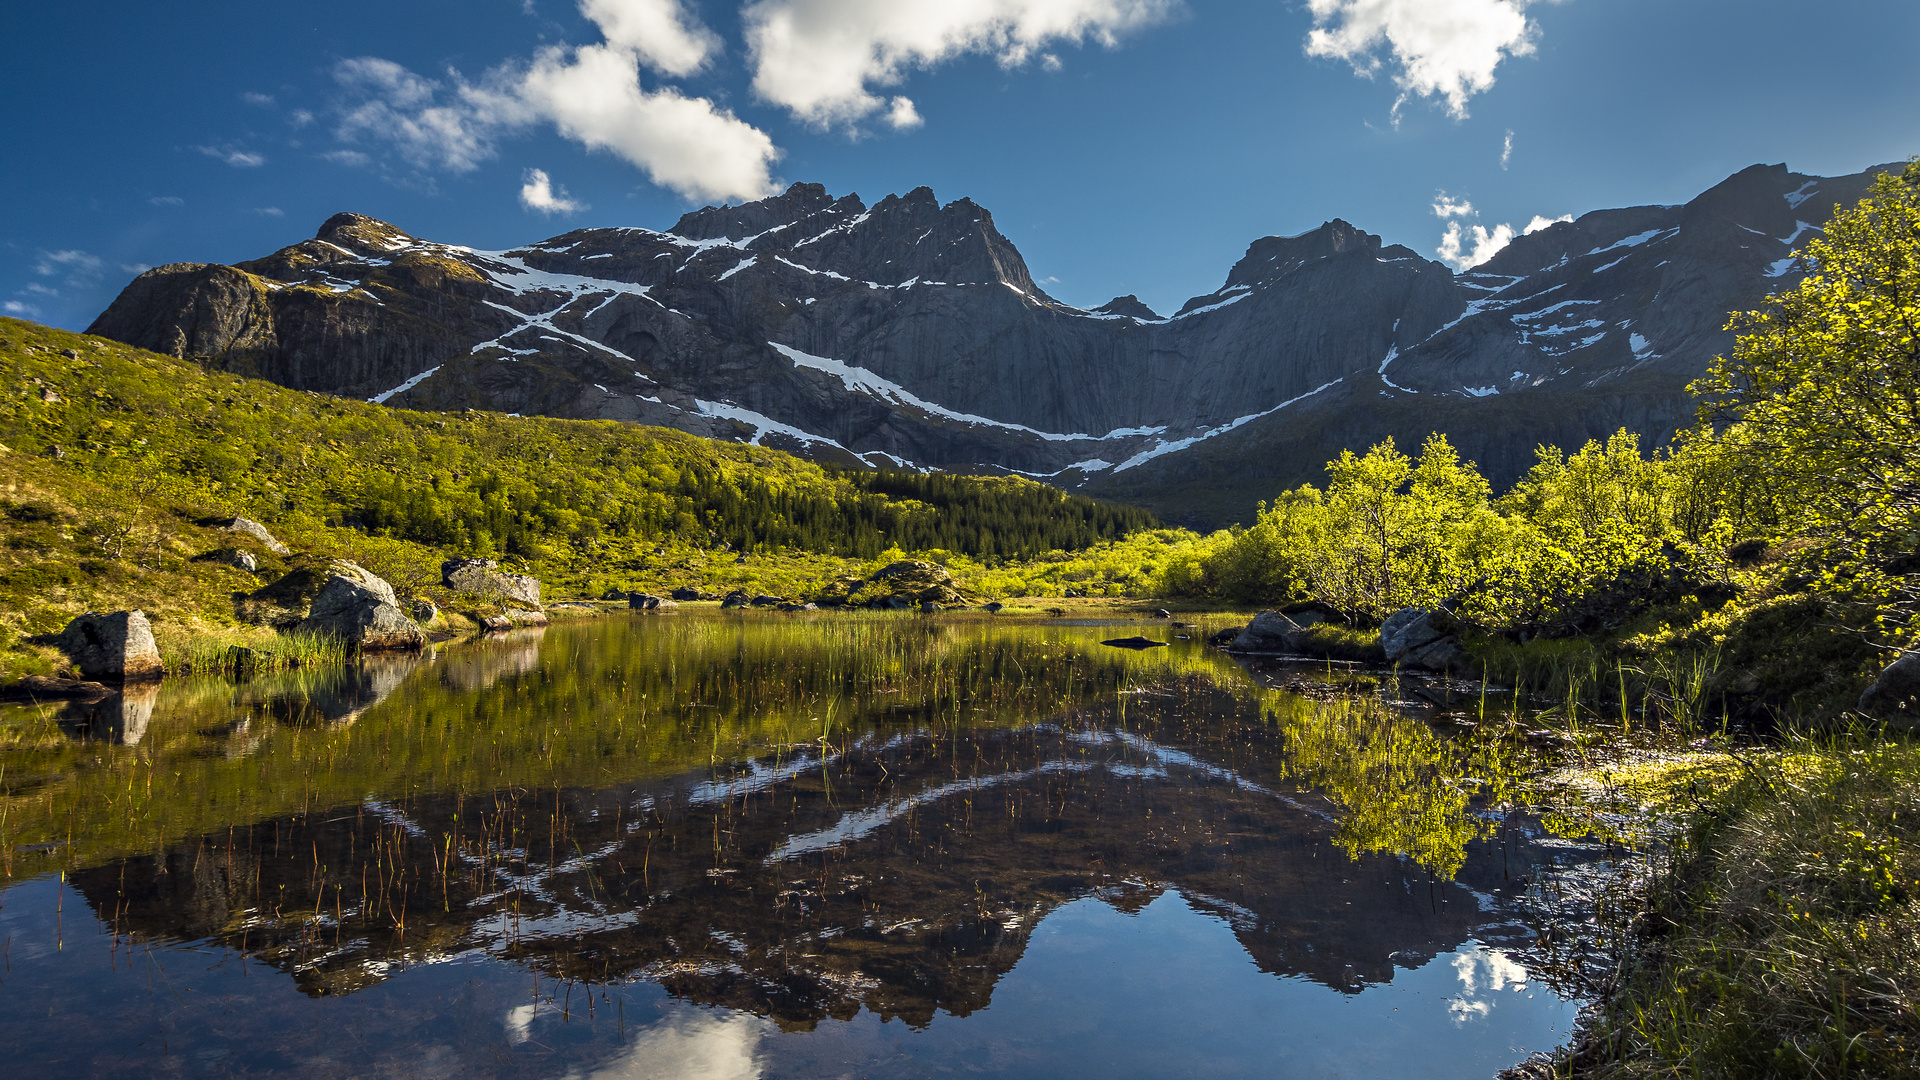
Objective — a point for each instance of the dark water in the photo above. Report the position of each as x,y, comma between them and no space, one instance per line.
760,845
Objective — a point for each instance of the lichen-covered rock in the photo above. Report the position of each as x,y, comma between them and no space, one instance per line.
250,527
483,577
425,610
524,617
1895,695
917,580
357,606
115,646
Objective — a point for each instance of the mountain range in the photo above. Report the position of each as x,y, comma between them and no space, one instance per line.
910,334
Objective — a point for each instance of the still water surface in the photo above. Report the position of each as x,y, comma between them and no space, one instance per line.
754,845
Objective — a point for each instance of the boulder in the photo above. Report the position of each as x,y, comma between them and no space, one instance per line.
735,599
928,607
643,601
763,600
685,593
1271,631
483,577
358,607
917,579
250,527
994,608
1419,638
524,617
1895,695
1225,638
425,610
116,646
617,594
284,602
1162,613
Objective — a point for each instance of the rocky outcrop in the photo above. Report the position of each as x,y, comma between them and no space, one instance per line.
1420,638
112,647
357,607
1895,695
915,579
250,527
484,578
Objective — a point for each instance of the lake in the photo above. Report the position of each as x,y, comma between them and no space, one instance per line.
776,845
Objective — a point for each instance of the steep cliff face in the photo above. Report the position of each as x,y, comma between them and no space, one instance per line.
911,332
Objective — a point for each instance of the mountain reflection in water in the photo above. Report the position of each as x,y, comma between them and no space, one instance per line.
878,833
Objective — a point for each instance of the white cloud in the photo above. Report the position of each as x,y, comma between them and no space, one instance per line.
299,118
1541,222
350,158
820,59
688,144
1463,248
135,268
239,159
538,193
75,263
453,131
1439,48
1445,206
659,32
268,211
167,200
24,311
264,101
902,116
691,1046
1506,149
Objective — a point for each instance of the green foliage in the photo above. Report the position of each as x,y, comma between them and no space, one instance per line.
1821,399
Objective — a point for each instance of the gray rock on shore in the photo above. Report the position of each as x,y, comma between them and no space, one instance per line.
115,646
358,607
1419,638
1272,631
483,577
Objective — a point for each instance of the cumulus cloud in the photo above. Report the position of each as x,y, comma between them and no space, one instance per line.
1541,221
1444,206
593,95
1465,248
239,159
538,193
822,59
902,116
659,32
1446,49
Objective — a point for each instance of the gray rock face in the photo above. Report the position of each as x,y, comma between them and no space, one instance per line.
912,331
1895,695
1272,631
250,527
358,607
483,577
648,602
425,610
112,647
1418,638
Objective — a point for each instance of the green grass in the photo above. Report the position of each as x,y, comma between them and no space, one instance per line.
1780,937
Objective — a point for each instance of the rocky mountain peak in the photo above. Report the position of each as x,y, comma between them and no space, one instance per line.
1129,306
361,234
754,218
1273,256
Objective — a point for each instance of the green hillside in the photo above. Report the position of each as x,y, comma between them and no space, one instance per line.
117,463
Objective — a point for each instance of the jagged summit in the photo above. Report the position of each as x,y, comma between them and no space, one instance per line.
1129,306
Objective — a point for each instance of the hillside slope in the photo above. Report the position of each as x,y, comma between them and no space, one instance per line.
117,467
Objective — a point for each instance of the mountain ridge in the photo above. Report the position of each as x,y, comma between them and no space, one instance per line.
910,333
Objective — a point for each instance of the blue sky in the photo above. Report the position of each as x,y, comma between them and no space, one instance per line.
1126,146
